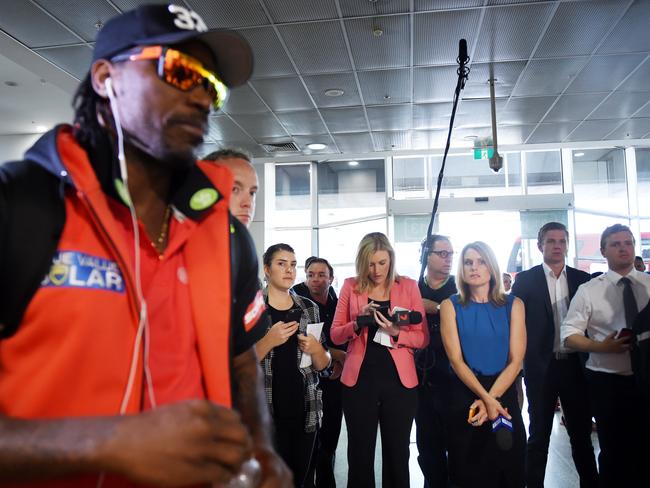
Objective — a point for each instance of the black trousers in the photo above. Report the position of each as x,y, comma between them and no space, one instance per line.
378,398
328,434
564,378
295,447
475,458
431,420
623,433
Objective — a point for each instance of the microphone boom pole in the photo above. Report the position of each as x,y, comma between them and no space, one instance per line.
463,74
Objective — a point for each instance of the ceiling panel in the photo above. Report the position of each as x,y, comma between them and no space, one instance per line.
390,49
476,113
604,73
300,10
528,110
631,34
506,75
510,33
384,87
243,100
550,132
33,27
270,58
573,107
319,84
421,5
353,9
434,84
548,76
428,139
316,47
283,94
74,59
387,141
354,143
436,35
620,105
644,112
230,15
222,128
514,134
305,122
81,20
261,125
578,27
350,119
640,79
391,117
631,129
431,115
593,130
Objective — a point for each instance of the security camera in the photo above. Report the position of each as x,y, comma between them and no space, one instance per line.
496,162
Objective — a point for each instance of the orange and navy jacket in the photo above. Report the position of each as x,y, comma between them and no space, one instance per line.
71,354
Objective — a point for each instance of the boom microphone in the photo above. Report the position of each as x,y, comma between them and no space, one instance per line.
463,58
402,317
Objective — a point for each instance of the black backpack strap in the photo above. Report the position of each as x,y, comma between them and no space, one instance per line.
32,216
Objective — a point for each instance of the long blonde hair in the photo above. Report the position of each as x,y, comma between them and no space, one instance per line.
497,294
369,245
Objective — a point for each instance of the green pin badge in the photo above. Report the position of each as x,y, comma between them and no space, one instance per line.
203,199
121,191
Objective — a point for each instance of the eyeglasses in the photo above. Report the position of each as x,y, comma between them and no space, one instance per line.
180,71
443,254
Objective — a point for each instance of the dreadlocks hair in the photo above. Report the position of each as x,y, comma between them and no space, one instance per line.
87,105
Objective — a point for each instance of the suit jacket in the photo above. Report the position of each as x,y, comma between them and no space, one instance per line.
404,293
531,287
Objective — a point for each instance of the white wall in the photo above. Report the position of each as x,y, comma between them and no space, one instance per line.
13,147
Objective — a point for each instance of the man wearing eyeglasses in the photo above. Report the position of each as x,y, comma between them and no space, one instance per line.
552,370
433,366
126,330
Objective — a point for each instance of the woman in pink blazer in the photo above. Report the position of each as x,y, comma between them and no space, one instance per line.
379,377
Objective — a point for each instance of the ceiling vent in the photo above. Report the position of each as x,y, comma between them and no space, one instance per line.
281,147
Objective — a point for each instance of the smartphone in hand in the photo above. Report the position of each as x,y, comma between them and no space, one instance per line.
625,333
294,314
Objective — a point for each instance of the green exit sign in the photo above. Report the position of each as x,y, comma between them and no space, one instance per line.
483,152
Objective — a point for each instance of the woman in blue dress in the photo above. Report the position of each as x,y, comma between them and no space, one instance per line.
484,334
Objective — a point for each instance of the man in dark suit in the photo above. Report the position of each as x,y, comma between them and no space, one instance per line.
550,369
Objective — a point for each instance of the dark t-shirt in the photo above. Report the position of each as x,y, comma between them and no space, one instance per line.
325,311
432,361
288,385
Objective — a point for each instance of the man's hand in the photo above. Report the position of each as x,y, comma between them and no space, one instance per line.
275,473
185,443
430,306
612,345
281,331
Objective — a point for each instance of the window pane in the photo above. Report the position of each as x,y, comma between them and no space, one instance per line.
544,172
643,177
292,192
339,245
409,178
299,239
467,177
599,180
588,229
348,191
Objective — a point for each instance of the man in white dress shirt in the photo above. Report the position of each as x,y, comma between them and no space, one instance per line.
601,308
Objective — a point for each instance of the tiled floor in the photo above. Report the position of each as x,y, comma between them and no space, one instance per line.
560,471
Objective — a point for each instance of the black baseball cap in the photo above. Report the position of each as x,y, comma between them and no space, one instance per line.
174,24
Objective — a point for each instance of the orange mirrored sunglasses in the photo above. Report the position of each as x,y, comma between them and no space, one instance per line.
180,71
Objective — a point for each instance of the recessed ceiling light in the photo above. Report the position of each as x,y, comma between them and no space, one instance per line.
353,163
470,138
334,92
577,155
316,146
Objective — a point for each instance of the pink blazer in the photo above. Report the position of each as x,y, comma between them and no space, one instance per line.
404,293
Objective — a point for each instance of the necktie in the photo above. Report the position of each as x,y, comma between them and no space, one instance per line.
629,303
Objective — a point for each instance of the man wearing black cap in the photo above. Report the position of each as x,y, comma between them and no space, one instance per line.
126,332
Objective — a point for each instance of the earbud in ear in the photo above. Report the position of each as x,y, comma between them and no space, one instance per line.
109,87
